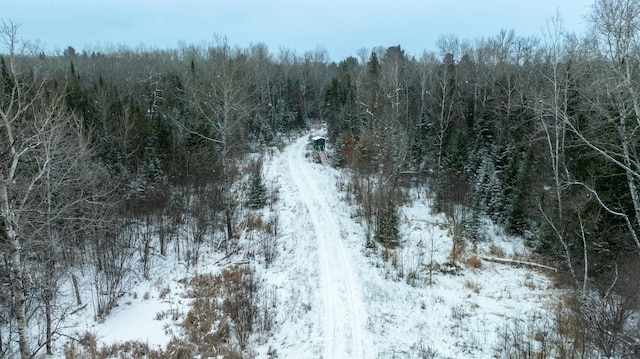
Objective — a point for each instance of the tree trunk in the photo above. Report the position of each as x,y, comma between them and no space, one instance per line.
49,334
76,288
229,224
19,291
162,234
631,180
49,288
17,281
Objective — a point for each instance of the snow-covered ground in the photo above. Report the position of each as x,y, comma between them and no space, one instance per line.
338,299
343,314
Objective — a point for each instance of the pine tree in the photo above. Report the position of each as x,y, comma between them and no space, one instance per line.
257,190
516,192
387,222
488,189
80,100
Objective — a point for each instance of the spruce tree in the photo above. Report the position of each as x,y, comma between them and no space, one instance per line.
387,222
257,190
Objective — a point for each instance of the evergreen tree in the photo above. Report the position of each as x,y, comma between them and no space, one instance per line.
140,132
6,80
457,151
489,189
340,103
257,189
517,191
372,84
80,100
387,221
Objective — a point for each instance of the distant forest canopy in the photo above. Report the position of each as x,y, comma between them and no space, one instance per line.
538,134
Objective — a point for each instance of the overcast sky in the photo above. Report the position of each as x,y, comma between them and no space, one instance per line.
339,26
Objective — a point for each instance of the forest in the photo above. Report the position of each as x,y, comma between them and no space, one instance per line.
539,134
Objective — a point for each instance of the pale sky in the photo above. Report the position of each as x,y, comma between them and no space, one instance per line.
339,26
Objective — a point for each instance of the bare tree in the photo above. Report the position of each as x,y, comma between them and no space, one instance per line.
223,103
446,98
553,113
47,185
615,102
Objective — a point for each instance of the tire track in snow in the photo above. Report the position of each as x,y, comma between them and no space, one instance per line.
344,313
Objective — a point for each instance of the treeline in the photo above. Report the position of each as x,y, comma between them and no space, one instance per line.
107,159
539,135
100,152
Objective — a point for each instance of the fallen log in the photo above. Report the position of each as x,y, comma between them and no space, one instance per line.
518,263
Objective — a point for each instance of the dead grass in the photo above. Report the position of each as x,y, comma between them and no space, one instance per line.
473,286
474,262
224,313
496,251
164,292
254,222
389,255
86,347
457,250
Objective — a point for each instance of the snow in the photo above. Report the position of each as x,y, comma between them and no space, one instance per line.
127,323
338,299
368,309
137,317
344,313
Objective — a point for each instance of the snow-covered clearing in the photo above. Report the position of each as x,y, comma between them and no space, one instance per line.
362,306
337,299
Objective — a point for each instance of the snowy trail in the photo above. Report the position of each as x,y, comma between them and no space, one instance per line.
344,312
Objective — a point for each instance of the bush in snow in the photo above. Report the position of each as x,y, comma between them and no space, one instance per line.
224,313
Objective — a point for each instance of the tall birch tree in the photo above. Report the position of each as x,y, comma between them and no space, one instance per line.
47,188
613,132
